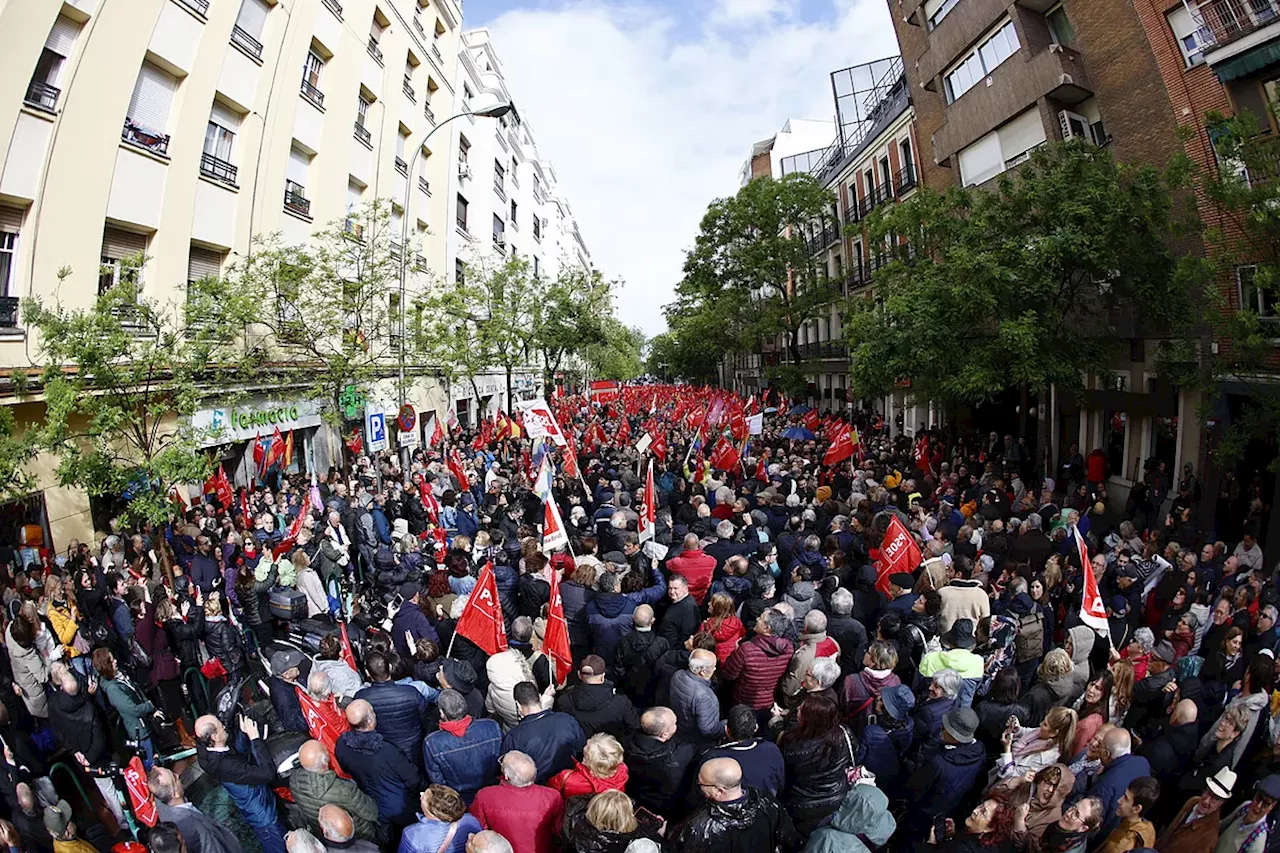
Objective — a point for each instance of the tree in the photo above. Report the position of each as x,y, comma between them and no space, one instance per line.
752,264
619,352
122,379
1035,282
697,341
571,316
327,313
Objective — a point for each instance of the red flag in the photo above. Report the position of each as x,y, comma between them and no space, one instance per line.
649,516
135,779
222,490
624,433
841,448
175,496
437,434
700,469
347,655
429,502
738,426
762,471
244,508
898,553
659,447
259,454
553,532
291,536
481,620
356,443
325,723
811,420
570,456
724,456
555,643
1092,613
455,468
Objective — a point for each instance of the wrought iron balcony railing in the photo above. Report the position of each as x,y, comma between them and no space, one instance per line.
219,170
143,137
42,96
295,198
246,42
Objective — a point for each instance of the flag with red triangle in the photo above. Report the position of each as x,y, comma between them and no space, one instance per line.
1092,613
481,620
898,553
259,455
659,447
553,532
811,420
649,516
555,642
569,455
762,470
724,456
437,434
290,537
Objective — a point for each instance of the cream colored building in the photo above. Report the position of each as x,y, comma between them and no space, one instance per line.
181,128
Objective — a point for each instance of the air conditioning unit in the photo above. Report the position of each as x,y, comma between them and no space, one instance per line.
1073,125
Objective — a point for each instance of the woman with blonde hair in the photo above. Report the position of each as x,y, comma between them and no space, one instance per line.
1122,675
63,616
607,822
223,641
1053,685
601,769
310,584
1028,750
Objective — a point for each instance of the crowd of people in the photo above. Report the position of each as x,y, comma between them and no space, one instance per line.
744,671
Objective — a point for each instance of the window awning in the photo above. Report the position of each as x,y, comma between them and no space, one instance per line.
1249,62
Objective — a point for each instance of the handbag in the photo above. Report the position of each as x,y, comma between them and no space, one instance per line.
138,654
853,772
213,668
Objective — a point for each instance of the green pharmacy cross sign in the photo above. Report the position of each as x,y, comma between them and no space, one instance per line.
352,401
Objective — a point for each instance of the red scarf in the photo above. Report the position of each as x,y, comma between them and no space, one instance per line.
457,728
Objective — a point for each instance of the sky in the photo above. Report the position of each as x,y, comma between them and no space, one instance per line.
647,109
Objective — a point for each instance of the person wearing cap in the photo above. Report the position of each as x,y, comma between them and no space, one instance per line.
62,826
410,623
285,669
551,738
596,704
1245,830
888,736
1121,627
459,676
1195,828
943,779
901,598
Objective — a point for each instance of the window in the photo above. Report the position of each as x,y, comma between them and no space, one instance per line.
499,230
1060,26
1193,39
203,263
250,24
43,90
537,267
355,199
311,78
514,209
467,95
295,185
886,177
1002,44
537,229
148,114
122,253
936,10
515,178
908,164
1261,300
10,224
462,212
459,272
219,141
1001,149
499,178
409,65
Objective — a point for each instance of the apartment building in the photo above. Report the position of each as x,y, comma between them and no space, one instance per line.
505,202
183,128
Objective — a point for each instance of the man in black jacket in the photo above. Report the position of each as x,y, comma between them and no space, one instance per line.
636,657
79,726
248,779
734,817
284,695
551,738
681,619
595,704
659,765
848,632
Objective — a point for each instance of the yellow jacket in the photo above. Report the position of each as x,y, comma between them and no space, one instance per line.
64,627
1130,834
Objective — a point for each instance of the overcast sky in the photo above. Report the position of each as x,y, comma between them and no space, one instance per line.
647,109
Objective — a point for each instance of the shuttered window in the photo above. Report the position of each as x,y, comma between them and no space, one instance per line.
10,223
152,98
298,164
1020,136
981,160
253,17
62,38
118,244
10,219
203,263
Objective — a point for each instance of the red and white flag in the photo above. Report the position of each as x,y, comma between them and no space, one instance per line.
553,532
481,620
724,456
437,434
556,640
290,537
649,516
898,553
1092,613
144,805
539,422
325,723
841,447
456,469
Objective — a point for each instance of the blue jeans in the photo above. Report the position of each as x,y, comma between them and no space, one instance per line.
271,837
147,751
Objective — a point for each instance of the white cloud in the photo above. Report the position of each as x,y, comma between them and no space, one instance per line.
740,12
647,118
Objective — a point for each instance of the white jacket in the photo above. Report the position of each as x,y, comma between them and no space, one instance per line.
505,671
317,601
30,672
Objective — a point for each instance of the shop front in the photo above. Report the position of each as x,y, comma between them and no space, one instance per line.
232,431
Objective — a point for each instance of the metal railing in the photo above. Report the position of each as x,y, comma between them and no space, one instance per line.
499,191
8,312
821,349
312,94
500,244
335,7
875,197
363,134
824,238
854,278
437,53
42,96
200,7
1230,20
374,50
851,214
408,91
513,225
461,222
424,185
219,170
905,180
417,25
426,111
295,198
402,167
143,137
246,42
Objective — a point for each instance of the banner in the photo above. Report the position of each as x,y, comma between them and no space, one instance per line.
648,516
555,643
325,723
605,392
755,424
481,620
540,422
898,553
1092,613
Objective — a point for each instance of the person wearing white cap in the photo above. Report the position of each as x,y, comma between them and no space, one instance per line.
1195,829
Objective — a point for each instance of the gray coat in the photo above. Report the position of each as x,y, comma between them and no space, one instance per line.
202,833
696,706
30,672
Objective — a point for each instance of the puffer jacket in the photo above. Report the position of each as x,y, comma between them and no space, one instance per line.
184,636
399,710
1044,695
312,790
578,781
505,578
224,642
660,773
343,680
575,599
756,823
551,738
1082,639
697,709
756,667
881,751
600,708
863,813
633,663
133,707
255,599
581,835
30,672
697,567
609,620
859,691
383,772
803,597
816,775
940,783
505,670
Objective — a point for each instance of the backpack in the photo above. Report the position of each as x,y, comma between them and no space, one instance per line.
1028,643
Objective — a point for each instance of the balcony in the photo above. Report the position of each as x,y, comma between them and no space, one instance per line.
436,52
417,25
513,225
822,350
128,315
374,50
500,244
42,96
200,7
335,7
408,91
8,312
424,185
143,137
854,278
363,134
246,42
219,170
312,94
353,229
426,111
820,241
402,167
499,191
851,214
904,181
873,199
1229,21
295,198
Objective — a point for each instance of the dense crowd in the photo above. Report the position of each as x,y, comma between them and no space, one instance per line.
744,673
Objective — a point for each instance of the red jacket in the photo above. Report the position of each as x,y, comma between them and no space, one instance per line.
697,567
756,667
728,636
579,780
529,817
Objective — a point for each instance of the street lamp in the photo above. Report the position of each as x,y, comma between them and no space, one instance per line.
498,110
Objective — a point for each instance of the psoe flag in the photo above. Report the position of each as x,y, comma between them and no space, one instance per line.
539,422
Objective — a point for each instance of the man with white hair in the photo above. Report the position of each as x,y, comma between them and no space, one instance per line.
313,783
339,832
694,701
488,841
201,833
814,643
848,632
527,813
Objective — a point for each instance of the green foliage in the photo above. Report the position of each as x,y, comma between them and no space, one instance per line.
788,379
618,355
122,379
16,452
572,316
1038,280
751,275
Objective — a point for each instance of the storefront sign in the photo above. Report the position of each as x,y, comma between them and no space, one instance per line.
260,416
